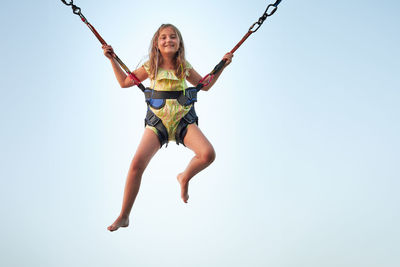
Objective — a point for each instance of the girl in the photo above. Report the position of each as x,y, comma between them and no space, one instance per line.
167,69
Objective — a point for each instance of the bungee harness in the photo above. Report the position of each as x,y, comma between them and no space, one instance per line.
186,97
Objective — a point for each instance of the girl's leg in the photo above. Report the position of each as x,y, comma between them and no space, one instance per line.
204,156
147,148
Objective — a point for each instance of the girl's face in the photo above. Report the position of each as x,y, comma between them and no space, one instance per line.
168,41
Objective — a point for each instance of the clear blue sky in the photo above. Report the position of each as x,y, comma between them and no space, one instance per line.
305,123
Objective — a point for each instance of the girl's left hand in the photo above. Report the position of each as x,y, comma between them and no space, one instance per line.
228,57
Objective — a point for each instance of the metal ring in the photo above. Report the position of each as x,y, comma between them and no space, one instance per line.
76,10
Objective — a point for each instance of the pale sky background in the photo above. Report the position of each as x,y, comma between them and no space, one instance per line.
305,123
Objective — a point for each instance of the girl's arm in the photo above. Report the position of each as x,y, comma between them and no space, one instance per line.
123,79
194,78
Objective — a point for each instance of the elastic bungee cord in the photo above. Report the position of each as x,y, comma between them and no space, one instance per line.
269,11
77,11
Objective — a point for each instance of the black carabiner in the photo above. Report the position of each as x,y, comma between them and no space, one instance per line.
68,4
258,26
76,10
272,11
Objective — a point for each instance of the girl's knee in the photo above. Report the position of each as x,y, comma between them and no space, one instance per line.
208,155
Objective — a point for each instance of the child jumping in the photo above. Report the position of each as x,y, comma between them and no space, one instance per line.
168,70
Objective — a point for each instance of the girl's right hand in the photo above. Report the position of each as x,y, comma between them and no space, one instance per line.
108,51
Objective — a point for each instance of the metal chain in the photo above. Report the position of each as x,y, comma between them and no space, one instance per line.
75,9
271,8
269,11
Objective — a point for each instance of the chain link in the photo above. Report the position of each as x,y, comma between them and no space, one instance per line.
75,9
68,4
271,8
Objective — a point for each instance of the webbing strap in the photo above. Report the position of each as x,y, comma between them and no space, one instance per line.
149,93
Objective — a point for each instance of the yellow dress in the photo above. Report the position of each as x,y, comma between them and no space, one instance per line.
172,112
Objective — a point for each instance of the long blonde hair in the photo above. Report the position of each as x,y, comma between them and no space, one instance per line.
156,59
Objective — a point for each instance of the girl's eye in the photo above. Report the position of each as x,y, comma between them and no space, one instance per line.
164,37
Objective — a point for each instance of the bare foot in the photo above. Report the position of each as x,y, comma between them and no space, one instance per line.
119,222
184,187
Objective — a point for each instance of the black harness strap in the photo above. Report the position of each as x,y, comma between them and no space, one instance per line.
185,97
150,93
154,121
